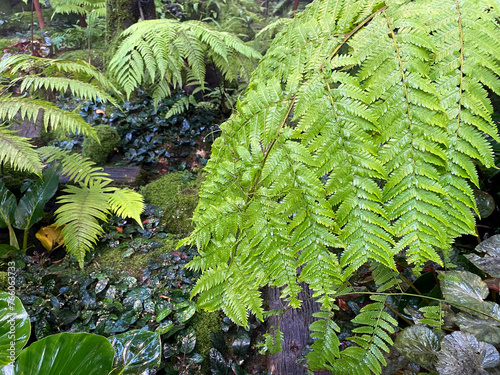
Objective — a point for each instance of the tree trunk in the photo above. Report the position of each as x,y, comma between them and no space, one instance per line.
39,14
122,14
294,324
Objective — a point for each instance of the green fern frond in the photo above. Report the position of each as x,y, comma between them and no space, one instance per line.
78,89
127,203
52,118
77,168
156,50
18,152
433,316
79,6
81,208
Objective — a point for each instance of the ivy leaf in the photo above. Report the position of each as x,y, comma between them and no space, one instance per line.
462,353
419,344
135,352
490,262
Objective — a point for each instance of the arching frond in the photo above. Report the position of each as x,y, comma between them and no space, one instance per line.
77,168
127,203
52,117
81,208
158,50
18,152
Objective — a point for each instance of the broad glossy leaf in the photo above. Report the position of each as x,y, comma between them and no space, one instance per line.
5,250
483,328
7,370
462,353
490,262
66,353
217,363
184,315
50,237
30,207
8,206
14,327
419,344
241,344
135,352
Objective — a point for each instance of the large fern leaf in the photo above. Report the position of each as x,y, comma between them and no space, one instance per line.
162,52
18,152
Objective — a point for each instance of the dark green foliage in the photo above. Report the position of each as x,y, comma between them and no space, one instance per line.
100,151
357,139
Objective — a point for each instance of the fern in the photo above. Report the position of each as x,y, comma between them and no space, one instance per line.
162,52
79,6
433,316
18,152
357,139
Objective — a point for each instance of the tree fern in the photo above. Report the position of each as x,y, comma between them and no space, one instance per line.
162,52
357,139
79,6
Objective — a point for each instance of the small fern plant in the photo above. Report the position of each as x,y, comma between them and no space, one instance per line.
357,139
165,54
92,199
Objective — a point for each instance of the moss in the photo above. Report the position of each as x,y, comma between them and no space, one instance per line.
14,179
96,56
177,194
204,323
4,281
99,153
22,21
5,43
134,264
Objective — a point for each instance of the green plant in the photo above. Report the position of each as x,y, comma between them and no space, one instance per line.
167,53
75,353
99,152
29,210
93,199
357,139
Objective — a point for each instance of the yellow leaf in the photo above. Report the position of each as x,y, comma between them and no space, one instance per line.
50,237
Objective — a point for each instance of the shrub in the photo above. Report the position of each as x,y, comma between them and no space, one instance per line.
99,153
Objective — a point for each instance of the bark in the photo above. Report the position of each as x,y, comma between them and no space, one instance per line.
294,324
122,14
39,15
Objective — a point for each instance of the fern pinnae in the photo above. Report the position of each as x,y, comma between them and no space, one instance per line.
53,117
18,152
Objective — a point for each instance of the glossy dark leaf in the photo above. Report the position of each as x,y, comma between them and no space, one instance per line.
419,344
187,341
66,353
14,327
483,328
8,206
184,315
485,203
30,207
461,353
217,363
490,262
241,344
135,352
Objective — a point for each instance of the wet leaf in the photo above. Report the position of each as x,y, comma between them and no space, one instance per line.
185,314
187,341
241,344
101,285
14,326
135,352
419,344
462,354
67,353
163,314
217,363
483,328
165,327
490,262
485,203
466,291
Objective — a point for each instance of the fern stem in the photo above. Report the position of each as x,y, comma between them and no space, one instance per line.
431,298
352,32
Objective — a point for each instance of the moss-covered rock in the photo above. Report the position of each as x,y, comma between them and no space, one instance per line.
177,194
99,153
204,324
134,264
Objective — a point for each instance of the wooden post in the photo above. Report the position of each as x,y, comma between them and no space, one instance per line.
39,14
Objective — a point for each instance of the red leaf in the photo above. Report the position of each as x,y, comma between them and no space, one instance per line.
120,230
